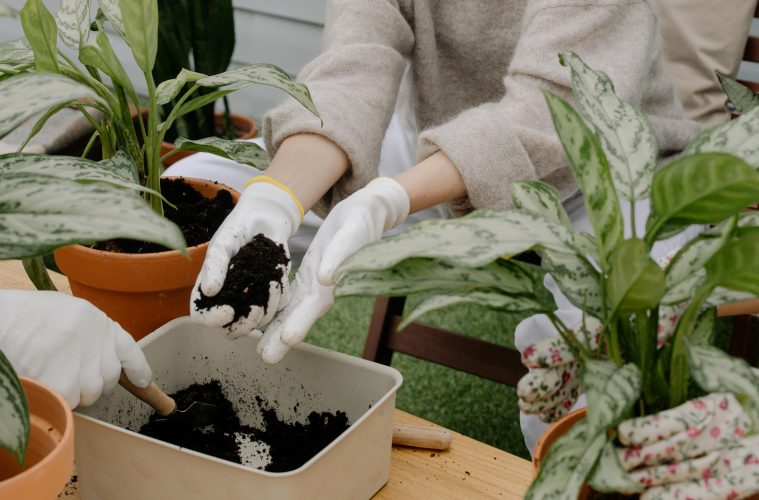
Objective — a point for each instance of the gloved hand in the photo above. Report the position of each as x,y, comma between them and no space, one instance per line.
354,222
699,449
265,207
68,344
551,387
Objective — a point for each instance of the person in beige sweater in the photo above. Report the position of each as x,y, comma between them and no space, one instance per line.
478,69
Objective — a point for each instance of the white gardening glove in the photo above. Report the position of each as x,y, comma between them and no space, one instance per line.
265,207
552,386
354,222
699,449
68,344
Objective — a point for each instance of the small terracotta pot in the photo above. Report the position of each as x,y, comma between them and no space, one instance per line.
49,458
139,291
245,128
554,432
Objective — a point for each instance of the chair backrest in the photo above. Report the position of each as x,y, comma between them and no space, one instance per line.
461,352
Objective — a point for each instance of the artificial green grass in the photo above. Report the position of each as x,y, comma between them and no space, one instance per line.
481,409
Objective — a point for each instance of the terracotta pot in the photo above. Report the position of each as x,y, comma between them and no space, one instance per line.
139,291
245,128
554,432
50,456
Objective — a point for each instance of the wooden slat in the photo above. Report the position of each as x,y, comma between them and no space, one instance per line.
751,52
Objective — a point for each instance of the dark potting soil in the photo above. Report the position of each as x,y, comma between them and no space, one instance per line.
198,217
257,264
595,495
291,444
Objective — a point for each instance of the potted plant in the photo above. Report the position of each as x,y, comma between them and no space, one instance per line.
41,77
630,372
200,36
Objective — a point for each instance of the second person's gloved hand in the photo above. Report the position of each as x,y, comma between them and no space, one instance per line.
353,223
68,344
265,207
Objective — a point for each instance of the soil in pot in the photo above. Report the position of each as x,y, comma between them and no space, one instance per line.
290,445
257,264
198,217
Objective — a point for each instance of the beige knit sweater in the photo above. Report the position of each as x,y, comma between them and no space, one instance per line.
478,70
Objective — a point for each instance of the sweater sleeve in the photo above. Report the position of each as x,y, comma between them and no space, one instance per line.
354,83
498,143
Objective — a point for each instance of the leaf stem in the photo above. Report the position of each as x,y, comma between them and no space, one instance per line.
37,272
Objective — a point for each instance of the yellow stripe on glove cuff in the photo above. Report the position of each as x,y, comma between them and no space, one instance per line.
266,178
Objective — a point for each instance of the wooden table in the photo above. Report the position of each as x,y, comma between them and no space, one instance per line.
469,469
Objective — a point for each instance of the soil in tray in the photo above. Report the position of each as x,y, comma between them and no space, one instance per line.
290,444
198,217
248,276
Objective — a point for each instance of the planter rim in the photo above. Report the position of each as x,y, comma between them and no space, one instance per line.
540,451
66,436
320,351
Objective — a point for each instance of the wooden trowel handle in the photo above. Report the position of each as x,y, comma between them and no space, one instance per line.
421,436
152,395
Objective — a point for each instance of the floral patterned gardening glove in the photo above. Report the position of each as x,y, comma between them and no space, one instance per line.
552,386
698,450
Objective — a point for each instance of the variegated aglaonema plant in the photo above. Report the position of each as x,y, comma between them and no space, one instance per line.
41,75
612,152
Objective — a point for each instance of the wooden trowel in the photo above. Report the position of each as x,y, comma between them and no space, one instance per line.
197,414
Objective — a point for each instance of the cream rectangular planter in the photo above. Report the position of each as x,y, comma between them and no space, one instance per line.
115,463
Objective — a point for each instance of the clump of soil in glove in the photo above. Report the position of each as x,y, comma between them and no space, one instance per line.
198,217
290,444
248,276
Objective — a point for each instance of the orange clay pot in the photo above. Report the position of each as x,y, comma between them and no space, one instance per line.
50,456
245,128
139,291
554,432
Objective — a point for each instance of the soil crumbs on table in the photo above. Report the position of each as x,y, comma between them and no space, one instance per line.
256,265
290,444
197,216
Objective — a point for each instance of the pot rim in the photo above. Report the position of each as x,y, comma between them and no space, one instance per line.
539,452
60,446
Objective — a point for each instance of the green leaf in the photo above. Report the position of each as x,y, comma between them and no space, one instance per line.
262,74
112,11
169,89
140,18
73,20
739,137
715,371
14,412
591,171
569,462
609,476
576,278
246,153
540,198
611,392
42,34
635,281
702,188
200,101
27,94
703,331
119,170
471,241
105,59
492,300
735,265
624,132
16,53
721,295
424,275
741,96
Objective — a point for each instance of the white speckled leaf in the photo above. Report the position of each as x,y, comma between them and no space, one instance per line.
591,170
576,278
39,213
569,462
716,371
119,170
508,303
624,132
611,391
741,96
14,412
73,19
169,89
609,476
540,198
722,295
471,241
25,95
739,137
16,53
7,11
262,74
112,12
246,153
